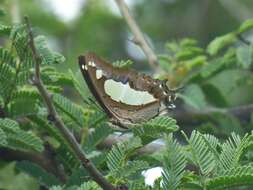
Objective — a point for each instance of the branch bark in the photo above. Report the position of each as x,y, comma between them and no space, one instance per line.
58,123
138,35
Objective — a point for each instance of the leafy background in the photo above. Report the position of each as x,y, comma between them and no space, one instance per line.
203,45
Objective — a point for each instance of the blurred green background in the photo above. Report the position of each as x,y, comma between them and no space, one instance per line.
74,27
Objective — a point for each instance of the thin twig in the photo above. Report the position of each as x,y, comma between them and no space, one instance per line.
138,35
195,117
58,123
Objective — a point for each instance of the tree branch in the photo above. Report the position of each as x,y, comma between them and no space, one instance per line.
58,123
194,117
138,36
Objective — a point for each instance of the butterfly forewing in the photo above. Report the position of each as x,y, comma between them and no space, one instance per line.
101,77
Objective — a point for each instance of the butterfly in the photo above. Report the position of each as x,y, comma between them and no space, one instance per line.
136,98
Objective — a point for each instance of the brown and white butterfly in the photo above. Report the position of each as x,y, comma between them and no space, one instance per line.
138,97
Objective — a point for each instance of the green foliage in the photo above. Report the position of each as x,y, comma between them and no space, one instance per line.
244,56
24,102
4,30
155,128
118,160
214,78
48,56
245,26
218,165
194,96
174,164
46,179
18,139
220,42
97,136
75,112
84,186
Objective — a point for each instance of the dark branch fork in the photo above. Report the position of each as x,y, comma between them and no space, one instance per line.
58,123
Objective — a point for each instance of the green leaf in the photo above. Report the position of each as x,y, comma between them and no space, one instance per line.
24,102
188,42
155,128
131,168
174,164
25,141
233,179
196,61
13,180
6,73
3,138
245,26
9,125
231,84
56,188
91,185
77,177
80,88
221,42
64,152
214,95
232,151
46,179
74,111
48,56
97,136
227,123
194,96
5,30
118,155
244,56
19,139
203,152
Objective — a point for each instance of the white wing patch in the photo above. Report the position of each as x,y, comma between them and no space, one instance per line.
125,94
84,67
99,74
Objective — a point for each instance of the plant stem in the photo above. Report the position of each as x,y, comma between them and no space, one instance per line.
138,35
58,123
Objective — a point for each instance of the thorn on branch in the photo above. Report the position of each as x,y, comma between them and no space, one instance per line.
51,118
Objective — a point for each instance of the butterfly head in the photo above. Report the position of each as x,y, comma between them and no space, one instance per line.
171,94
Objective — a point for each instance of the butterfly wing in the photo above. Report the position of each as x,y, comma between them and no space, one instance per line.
90,66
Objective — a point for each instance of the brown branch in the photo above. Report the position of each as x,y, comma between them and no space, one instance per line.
138,35
58,123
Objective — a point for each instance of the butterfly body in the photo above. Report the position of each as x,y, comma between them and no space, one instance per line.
151,95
